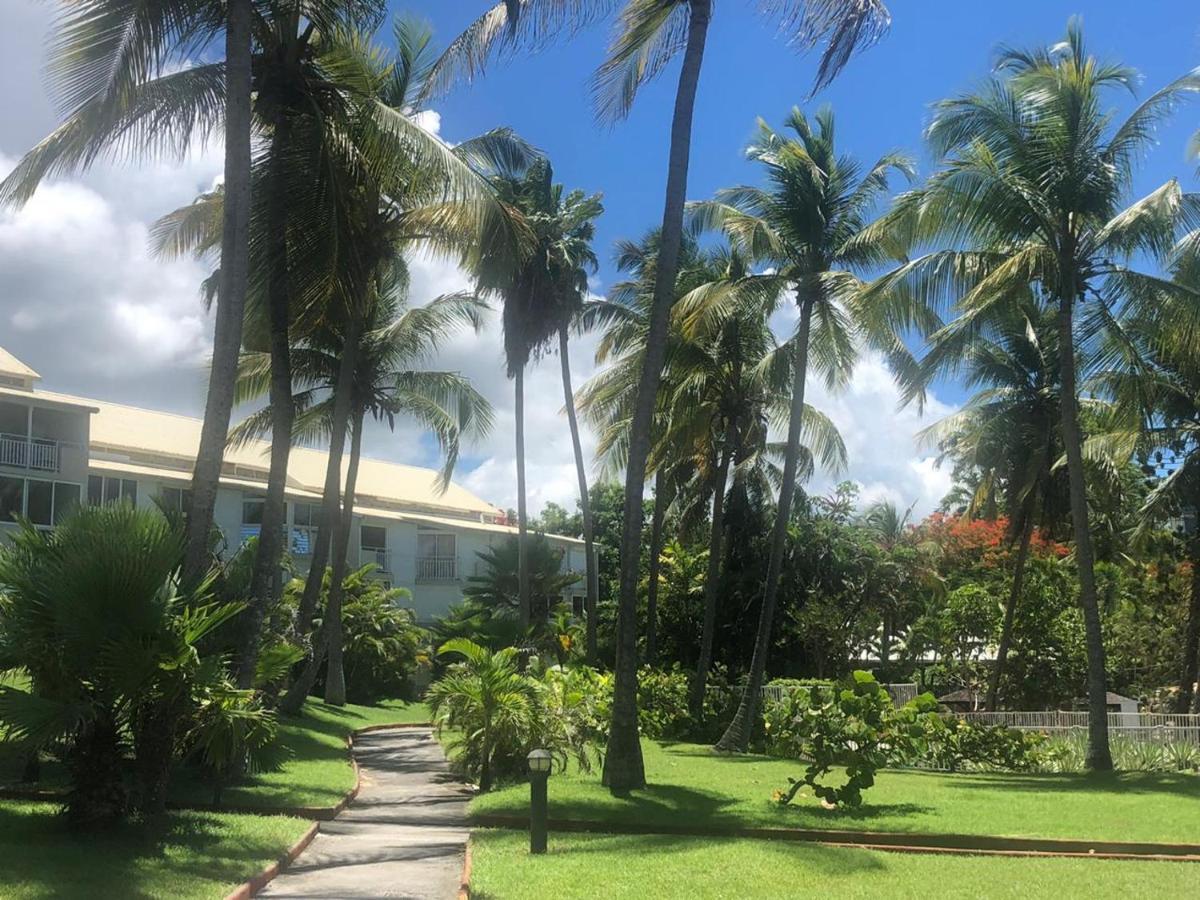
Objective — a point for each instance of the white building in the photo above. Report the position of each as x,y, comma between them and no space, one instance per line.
57,450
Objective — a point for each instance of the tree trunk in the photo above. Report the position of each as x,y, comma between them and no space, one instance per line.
1099,756
283,412
335,675
1191,635
712,579
738,733
585,505
1010,611
523,599
231,296
331,498
624,768
656,539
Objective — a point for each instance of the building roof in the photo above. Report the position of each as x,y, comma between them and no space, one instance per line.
10,365
160,444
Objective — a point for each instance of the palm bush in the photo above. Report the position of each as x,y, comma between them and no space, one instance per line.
93,613
489,706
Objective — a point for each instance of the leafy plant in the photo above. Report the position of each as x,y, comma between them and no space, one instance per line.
852,725
954,744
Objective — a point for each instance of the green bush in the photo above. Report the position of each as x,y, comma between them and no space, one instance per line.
853,726
954,744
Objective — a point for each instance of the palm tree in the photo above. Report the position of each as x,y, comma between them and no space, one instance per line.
1009,433
1030,194
542,290
388,383
808,226
729,381
130,96
485,700
1154,382
650,34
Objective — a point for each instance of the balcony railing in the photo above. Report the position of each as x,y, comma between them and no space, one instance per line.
431,568
379,558
21,452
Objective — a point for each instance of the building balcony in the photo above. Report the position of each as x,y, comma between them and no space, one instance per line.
378,557
434,569
33,454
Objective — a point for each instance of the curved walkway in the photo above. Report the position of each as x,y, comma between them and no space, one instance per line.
404,835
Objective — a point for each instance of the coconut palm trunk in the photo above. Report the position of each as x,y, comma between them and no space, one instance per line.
335,673
585,506
1191,635
523,598
265,578
738,733
624,768
1099,756
331,498
656,540
231,298
1010,609
712,582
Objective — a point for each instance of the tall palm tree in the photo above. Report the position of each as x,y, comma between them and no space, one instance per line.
1009,433
1153,380
649,35
808,226
388,383
542,289
729,382
1033,176
130,96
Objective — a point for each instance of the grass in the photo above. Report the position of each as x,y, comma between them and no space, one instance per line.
689,785
194,855
318,774
614,867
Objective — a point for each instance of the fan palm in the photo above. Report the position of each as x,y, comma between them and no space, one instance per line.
1009,433
807,225
649,35
1034,173
94,613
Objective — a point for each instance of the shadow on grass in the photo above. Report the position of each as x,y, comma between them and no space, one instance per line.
187,854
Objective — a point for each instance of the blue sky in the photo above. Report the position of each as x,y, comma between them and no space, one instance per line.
935,48
84,303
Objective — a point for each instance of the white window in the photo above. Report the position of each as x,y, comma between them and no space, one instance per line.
373,537
304,527
105,489
44,503
175,499
434,545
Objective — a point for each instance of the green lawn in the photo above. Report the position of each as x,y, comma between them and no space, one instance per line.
197,855
319,772
615,867
689,785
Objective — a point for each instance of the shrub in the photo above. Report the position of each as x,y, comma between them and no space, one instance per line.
498,714
852,725
382,642
952,743
663,703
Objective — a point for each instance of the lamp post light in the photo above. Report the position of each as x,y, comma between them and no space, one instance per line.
539,773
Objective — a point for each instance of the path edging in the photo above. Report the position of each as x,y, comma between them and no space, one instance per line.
882,840
248,889
464,881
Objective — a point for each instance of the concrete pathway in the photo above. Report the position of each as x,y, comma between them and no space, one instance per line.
403,836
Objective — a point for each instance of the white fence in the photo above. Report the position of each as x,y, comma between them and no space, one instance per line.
1139,726
1143,727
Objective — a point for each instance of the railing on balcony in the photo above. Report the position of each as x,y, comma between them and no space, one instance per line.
379,558
38,454
435,568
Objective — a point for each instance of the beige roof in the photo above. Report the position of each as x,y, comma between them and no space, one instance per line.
464,524
10,365
150,437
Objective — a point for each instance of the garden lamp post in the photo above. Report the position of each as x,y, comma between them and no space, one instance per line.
539,773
